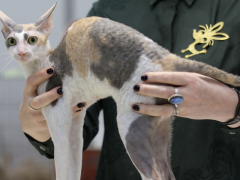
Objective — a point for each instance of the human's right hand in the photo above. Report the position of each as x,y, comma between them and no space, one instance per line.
32,121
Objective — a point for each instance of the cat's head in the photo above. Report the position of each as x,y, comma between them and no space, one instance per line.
28,42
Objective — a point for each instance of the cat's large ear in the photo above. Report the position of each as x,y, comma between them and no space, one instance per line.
8,24
45,23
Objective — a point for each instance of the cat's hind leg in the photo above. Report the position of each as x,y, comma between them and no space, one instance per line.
146,140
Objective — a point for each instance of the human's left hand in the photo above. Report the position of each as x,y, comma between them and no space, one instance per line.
204,97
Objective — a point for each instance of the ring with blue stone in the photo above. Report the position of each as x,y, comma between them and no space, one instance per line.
175,110
176,98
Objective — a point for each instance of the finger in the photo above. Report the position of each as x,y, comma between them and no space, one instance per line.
153,90
154,110
38,116
37,78
79,107
237,125
46,98
173,78
42,125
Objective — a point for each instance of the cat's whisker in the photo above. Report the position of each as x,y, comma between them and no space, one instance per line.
5,59
1,70
9,55
10,58
2,60
5,63
3,53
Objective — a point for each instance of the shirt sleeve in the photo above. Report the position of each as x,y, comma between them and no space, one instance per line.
44,148
91,123
96,10
234,133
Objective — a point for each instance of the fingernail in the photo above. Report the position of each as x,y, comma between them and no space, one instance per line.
144,78
59,91
78,110
136,107
50,71
80,105
136,88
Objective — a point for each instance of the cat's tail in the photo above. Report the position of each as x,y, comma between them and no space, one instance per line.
178,64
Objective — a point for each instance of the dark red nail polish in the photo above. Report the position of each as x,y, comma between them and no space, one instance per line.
136,88
50,71
59,91
144,78
136,107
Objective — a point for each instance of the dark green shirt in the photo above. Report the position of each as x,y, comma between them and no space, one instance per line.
201,150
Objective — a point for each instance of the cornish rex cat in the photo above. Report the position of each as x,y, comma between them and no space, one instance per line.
98,58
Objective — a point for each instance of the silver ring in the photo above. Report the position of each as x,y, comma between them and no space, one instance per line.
175,111
29,104
176,90
176,98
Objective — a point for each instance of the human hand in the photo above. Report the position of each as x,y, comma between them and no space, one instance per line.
204,97
32,121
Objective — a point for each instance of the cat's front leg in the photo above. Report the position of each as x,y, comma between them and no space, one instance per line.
147,142
66,133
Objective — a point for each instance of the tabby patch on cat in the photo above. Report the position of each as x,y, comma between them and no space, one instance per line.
98,58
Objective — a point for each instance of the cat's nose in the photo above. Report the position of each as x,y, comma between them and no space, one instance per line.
22,54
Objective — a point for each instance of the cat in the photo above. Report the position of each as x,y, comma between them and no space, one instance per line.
98,58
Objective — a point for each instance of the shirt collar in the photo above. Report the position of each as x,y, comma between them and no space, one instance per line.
189,2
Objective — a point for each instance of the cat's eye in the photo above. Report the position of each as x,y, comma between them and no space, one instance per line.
11,41
32,40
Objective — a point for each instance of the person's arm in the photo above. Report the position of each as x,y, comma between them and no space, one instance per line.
41,140
97,11
90,130
204,98
44,148
32,121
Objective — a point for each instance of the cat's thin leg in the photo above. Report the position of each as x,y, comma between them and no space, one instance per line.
59,123
76,145
161,139
146,139
66,134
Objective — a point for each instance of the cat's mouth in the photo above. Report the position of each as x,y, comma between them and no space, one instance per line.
23,59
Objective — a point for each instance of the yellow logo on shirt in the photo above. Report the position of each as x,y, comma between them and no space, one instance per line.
207,37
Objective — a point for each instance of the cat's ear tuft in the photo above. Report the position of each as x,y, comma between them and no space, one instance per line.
45,23
8,24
